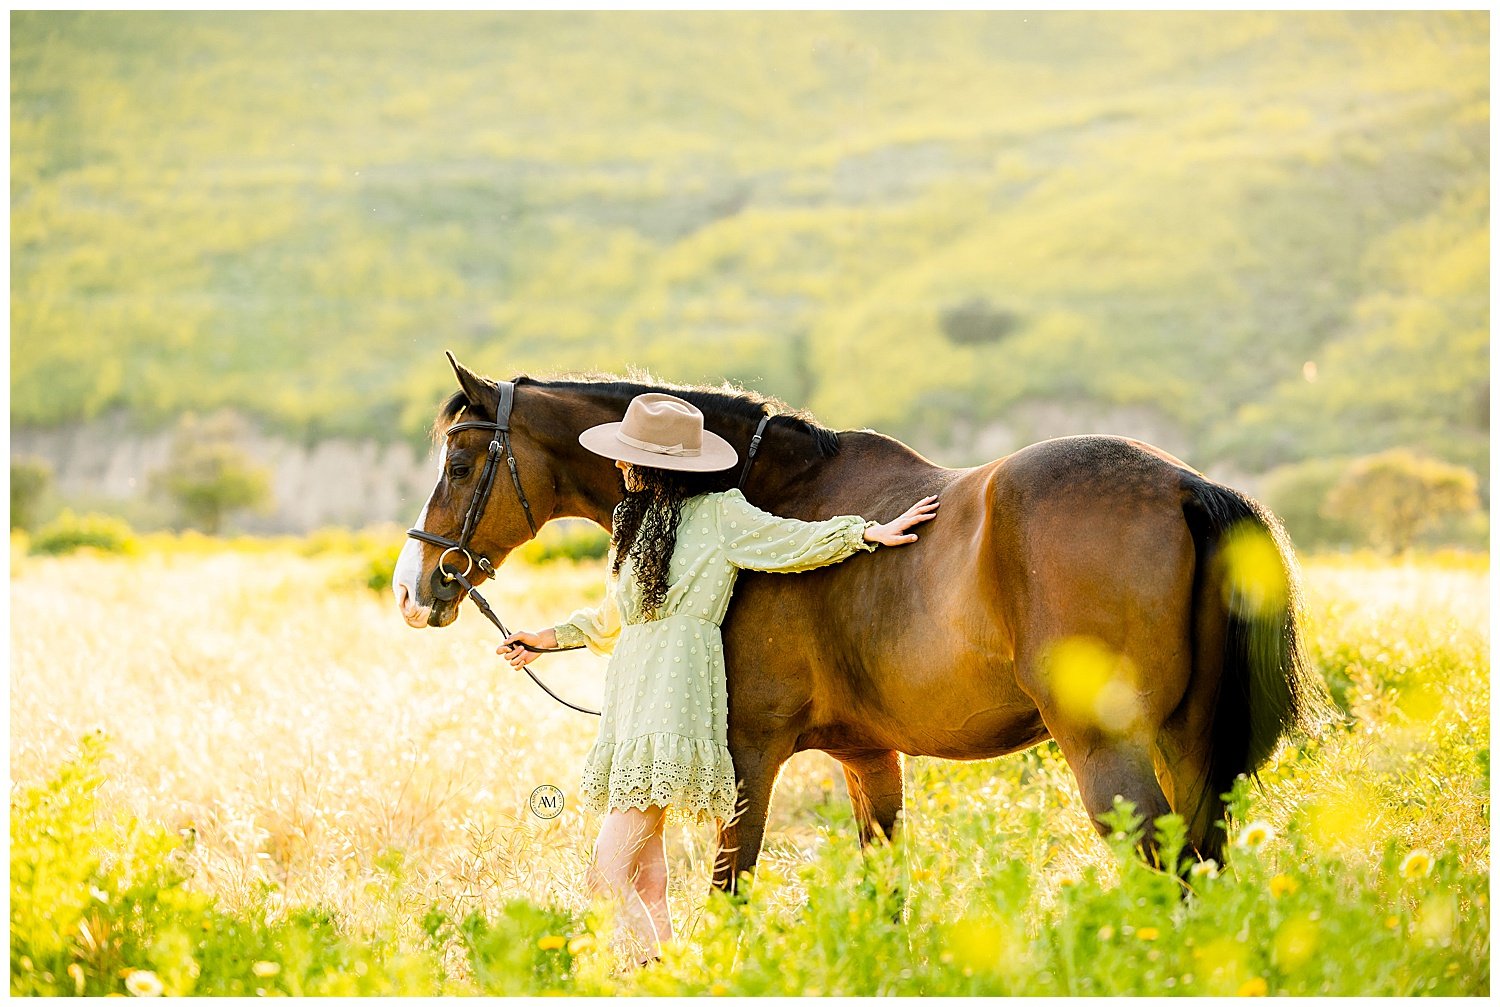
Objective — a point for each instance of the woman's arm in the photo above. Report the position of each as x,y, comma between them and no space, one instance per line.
597,628
754,539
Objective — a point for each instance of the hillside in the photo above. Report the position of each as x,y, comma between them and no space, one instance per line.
942,226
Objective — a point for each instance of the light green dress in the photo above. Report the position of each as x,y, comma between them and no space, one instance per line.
664,729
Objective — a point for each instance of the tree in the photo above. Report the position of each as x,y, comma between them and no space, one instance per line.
209,477
1395,495
30,478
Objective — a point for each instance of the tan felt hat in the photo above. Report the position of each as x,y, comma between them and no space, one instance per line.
661,431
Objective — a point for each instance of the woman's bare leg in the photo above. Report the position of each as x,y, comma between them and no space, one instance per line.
651,881
622,837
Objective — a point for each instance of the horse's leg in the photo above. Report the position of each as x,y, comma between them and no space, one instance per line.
876,790
756,765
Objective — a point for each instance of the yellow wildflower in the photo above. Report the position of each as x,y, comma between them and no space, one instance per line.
1418,864
718,989
1204,869
1255,835
266,970
143,983
1067,882
1148,933
1391,923
552,942
580,944
1252,987
1283,884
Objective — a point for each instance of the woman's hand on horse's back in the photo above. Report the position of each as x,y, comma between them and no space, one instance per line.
519,656
895,533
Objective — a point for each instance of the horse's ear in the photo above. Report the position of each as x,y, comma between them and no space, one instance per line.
482,392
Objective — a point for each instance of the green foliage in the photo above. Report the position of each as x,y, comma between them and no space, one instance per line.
208,476
968,211
30,479
69,532
1296,494
1393,496
570,540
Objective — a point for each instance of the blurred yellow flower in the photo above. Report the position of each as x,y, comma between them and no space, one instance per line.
1417,864
75,971
266,970
1255,835
718,989
1391,923
1204,869
1252,987
1283,884
1148,933
551,942
580,944
143,983
1067,882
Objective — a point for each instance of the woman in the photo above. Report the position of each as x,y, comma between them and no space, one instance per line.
662,750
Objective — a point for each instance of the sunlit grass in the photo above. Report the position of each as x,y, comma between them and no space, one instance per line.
302,749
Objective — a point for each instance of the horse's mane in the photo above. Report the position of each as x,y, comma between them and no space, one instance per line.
724,400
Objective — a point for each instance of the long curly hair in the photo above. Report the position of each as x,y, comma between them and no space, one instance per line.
645,527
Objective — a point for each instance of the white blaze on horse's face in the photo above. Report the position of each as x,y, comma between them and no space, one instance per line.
409,563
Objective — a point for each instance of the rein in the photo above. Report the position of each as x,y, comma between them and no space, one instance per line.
448,582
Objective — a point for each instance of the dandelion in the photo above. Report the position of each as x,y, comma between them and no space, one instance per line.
266,970
143,983
1417,864
1204,869
552,942
1148,933
1255,835
580,943
1252,987
1283,884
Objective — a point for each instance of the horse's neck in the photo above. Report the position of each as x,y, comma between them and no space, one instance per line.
787,476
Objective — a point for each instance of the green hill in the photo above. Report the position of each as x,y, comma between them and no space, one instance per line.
915,222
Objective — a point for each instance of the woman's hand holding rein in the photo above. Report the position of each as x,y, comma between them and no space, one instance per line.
894,532
519,656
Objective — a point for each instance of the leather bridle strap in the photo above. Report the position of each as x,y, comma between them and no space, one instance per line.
754,447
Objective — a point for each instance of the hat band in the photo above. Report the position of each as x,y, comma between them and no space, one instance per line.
658,449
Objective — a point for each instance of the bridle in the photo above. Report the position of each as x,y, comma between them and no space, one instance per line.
448,582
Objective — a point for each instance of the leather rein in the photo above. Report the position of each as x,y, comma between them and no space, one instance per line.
448,582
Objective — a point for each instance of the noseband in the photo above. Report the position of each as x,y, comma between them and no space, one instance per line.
448,582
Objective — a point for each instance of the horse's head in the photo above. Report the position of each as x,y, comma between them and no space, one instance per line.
475,515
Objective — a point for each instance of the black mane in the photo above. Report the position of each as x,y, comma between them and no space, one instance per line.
715,401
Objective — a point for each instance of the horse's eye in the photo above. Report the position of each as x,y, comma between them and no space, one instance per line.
457,472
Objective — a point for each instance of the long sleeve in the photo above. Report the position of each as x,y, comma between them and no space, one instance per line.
756,540
598,628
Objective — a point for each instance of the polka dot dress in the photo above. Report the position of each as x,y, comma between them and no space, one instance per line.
663,733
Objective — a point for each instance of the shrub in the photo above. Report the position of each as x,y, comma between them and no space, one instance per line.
571,540
1295,493
1395,495
70,532
30,478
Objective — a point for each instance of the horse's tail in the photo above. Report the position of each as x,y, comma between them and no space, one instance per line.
1266,687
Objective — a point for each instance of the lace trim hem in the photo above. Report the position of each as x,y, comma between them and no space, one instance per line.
693,778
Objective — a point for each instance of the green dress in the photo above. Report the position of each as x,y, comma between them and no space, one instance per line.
664,730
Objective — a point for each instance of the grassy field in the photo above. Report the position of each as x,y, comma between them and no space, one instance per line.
236,770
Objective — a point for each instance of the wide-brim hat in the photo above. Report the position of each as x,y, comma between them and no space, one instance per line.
661,431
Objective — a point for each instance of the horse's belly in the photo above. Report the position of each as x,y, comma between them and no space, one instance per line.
984,734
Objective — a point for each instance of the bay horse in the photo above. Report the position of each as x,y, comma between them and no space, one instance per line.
1082,588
